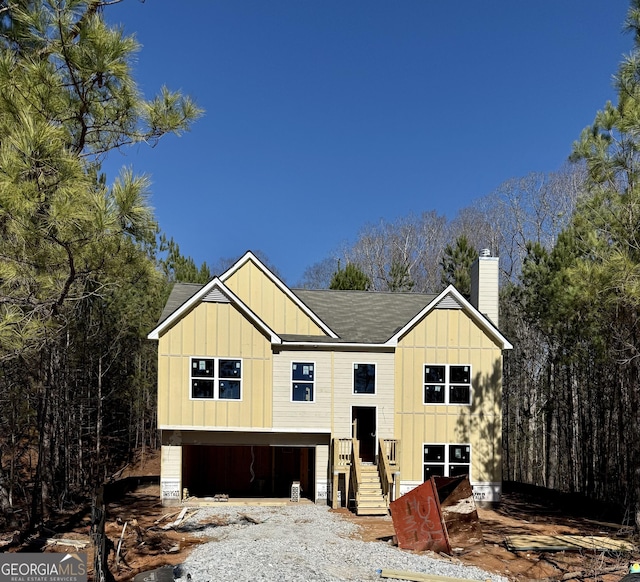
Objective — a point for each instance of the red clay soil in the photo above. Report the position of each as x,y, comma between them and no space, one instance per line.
146,545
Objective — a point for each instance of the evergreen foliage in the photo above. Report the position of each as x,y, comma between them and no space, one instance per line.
399,279
178,268
575,420
456,265
350,278
79,287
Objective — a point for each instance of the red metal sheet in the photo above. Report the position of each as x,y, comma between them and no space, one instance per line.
417,519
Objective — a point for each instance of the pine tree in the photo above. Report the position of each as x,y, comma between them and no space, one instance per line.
606,272
456,265
350,278
69,243
399,278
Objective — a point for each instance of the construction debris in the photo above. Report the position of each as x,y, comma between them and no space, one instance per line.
77,544
182,517
419,576
435,514
560,543
250,519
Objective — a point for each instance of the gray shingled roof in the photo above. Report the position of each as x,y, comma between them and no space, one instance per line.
364,316
180,294
355,316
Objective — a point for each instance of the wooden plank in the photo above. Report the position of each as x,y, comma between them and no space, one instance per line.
78,544
124,528
419,576
178,520
567,543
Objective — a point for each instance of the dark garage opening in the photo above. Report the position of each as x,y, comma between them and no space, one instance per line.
246,471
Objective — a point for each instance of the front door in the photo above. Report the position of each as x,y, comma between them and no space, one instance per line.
364,421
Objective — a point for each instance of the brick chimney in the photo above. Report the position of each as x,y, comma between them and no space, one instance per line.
484,285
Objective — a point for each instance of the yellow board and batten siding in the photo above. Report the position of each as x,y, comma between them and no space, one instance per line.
269,302
449,336
213,330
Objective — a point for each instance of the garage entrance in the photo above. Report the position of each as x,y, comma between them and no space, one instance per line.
248,471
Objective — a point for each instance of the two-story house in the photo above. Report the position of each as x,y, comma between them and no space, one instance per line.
357,396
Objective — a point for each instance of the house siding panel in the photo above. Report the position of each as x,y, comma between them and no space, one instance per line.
221,331
298,415
269,302
417,423
321,472
345,399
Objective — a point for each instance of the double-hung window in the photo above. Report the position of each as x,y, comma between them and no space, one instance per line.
446,460
447,384
216,378
364,378
302,381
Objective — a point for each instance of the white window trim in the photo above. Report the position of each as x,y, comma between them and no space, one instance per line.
353,379
313,383
447,385
215,378
447,462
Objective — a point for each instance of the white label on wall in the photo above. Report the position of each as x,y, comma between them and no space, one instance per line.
170,489
321,489
487,492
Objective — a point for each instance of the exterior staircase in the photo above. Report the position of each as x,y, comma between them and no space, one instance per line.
369,497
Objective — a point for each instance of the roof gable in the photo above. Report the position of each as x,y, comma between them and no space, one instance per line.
215,292
451,298
259,288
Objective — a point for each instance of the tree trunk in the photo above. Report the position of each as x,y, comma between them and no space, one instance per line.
637,499
6,508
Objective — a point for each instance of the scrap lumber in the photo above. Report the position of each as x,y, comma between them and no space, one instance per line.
178,519
165,516
419,576
124,528
559,543
77,544
188,516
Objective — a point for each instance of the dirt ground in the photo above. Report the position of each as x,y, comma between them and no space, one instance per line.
149,542
146,545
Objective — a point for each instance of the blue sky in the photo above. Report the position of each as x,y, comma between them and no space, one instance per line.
322,116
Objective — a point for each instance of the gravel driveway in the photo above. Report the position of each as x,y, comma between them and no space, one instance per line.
298,543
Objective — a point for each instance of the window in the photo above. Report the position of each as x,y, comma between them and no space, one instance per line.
364,378
215,378
446,460
302,380
446,384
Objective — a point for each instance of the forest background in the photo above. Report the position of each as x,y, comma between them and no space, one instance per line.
85,273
